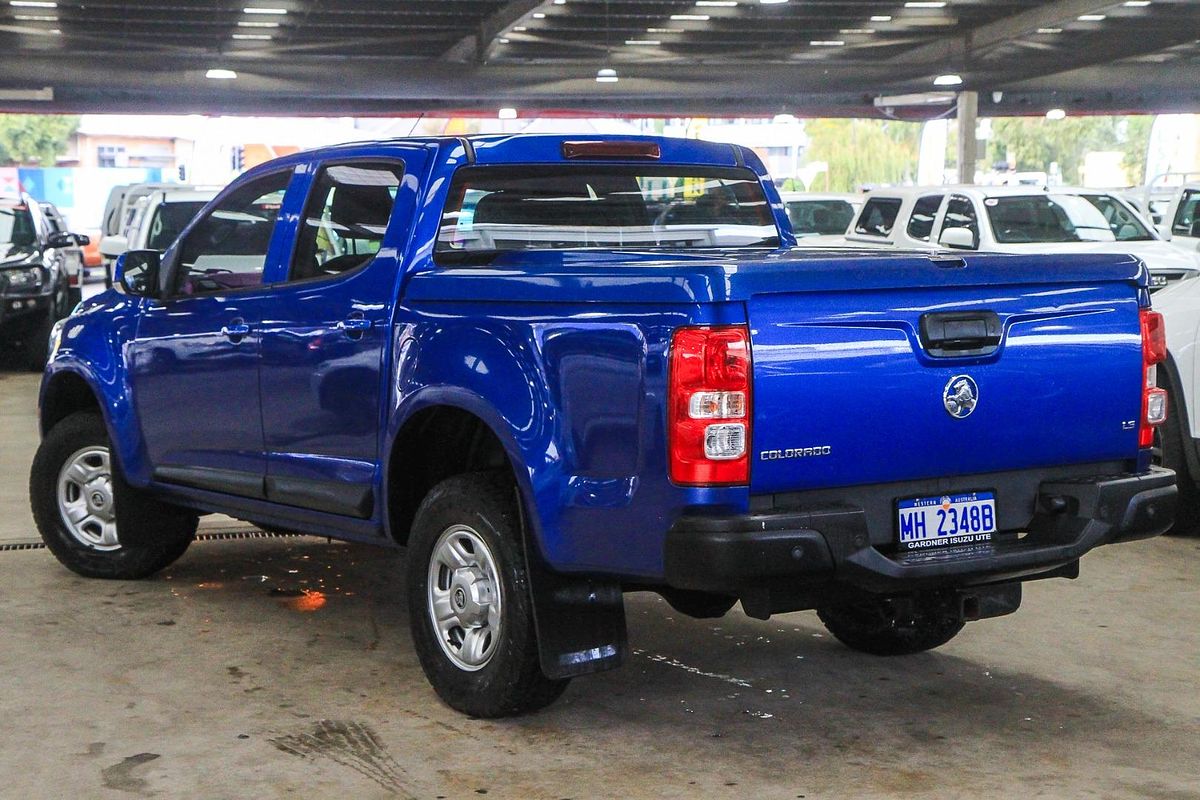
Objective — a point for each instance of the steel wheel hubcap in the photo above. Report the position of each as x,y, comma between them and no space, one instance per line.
85,498
464,598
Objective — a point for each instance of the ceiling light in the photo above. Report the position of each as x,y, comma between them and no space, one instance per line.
539,15
948,80
826,42
643,42
1056,114
606,75
257,37
35,17
691,17
560,2
519,29
717,3
857,30
771,2
664,30
1091,17
507,113
924,4
276,11
221,74
248,24
1049,30
503,40
1137,3
32,4
881,18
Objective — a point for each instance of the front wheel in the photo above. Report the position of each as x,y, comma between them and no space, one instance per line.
469,601
94,522
892,626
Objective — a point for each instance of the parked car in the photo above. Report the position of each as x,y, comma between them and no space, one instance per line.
155,219
119,210
37,259
1181,221
451,344
813,214
74,261
1016,219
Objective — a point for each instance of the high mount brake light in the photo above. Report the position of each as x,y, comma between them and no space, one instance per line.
604,149
709,406
1154,399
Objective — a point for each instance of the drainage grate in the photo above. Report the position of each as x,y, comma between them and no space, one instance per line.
214,536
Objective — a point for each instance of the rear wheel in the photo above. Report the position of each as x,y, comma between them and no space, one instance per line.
469,602
1173,440
94,522
892,626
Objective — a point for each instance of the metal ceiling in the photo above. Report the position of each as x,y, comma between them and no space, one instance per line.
672,57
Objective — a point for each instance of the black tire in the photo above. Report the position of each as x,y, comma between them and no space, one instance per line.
35,347
1172,442
510,680
885,626
151,534
698,605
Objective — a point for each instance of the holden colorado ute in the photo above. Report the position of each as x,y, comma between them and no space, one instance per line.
556,370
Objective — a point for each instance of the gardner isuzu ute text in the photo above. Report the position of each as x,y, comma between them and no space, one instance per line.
556,370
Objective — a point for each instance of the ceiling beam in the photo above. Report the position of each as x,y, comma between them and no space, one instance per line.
478,46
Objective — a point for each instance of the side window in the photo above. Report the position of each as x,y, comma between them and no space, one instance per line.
878,216
228,248
960,213
920,226
1185,220
345,218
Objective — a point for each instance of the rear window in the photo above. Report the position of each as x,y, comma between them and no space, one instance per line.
493,210
819,217
878,216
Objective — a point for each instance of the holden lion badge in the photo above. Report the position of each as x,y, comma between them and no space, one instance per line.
960,396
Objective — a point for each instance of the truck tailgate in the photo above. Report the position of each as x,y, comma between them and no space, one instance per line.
848,389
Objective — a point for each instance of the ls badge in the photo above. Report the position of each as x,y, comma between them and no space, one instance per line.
960,396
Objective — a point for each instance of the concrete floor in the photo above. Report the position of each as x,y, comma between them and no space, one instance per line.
282,668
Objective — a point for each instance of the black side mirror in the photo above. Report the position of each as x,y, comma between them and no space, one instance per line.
60,239
81,239
136,273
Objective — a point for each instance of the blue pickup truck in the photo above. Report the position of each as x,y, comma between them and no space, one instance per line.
557,370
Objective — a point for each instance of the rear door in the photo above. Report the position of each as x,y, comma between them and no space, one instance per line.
325,333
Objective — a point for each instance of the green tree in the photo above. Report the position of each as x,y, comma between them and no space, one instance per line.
1033,143
862,151
30,138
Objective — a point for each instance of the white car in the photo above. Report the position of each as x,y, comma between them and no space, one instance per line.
156,216
1181,221
824,214
1016,219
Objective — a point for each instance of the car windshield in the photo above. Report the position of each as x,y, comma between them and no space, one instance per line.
1063,218
16,229
169,220
819,217
493,210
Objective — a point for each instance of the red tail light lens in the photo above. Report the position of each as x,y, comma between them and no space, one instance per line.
1154,400
709,406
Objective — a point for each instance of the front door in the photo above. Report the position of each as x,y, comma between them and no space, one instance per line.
324,335
195,357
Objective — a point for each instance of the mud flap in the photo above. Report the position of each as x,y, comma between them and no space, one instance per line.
580,622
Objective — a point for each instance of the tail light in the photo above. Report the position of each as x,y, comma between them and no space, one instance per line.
1154,399
708,402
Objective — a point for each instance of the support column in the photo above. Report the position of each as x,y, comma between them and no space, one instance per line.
968,151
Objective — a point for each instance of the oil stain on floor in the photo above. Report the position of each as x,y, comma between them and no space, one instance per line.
351,744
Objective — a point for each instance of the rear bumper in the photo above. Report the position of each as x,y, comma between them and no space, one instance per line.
811,548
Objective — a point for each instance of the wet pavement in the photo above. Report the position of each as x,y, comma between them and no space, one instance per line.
282,668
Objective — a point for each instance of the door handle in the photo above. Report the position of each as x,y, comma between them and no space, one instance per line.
236,330
354,325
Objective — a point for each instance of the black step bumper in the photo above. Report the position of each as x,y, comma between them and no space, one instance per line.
833,544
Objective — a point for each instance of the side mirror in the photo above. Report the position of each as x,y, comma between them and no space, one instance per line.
60,239
958,239
113,246
136,273
81,239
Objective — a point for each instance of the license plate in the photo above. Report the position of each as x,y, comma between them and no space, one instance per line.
925,522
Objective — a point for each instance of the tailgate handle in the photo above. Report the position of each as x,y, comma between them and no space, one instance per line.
954,334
